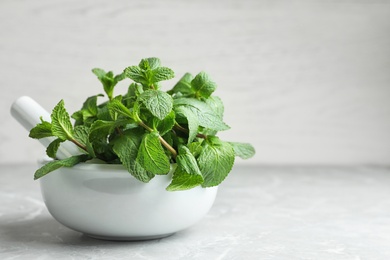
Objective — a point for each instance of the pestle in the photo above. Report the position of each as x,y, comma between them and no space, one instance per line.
28,113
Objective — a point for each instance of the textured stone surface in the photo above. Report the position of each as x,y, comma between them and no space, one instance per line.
260,213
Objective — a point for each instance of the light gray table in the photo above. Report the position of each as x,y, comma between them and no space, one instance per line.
260,213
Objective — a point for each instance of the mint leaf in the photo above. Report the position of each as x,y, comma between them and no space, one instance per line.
192,121
41,130
215,161
195,148
90,105
87,114
60,121
216,104
187,161
149,72
52,148
54,165
150,63
181,180
103,113
161,73
183,86
132,94
81,134
158,102
135,73
120,77
243,150
99,72
206,116
151,155
108,80
126,147
203,85
165,125
116,106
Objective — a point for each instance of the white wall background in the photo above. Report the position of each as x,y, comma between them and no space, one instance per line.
304,81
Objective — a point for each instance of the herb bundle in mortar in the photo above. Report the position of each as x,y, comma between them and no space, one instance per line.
148,129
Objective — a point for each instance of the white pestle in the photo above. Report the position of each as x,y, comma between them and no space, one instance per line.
28,113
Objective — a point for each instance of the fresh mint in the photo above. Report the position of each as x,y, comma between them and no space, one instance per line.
151,155
60,121
149,72
126,146
52,148
41,130
157,102
243,150
148,130
88,113
215,160
206,115
202,85
54,165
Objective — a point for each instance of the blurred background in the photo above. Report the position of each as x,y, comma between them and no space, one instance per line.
306,82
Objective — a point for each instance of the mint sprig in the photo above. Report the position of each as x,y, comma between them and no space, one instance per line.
147,130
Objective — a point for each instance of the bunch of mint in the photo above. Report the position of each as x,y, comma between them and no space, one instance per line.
147,129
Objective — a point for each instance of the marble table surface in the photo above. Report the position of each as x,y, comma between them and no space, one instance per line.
261,212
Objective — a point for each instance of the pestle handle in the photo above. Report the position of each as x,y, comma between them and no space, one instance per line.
28,113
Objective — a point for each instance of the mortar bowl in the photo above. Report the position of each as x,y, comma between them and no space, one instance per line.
104,201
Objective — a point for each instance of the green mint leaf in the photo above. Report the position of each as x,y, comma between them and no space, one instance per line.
52,148
243,150
195,148
54,165
187,161
81,134
107,79
87,114
181,180
126,147
206,116
90,105
215,161
150,63
132,94
115,106
120,77
158,102
60,121
160,74
192,121
165,125
41,130
135,73
149,72
216,104
78,116
153,72
99,72
183,86
103,113
203,85
151,156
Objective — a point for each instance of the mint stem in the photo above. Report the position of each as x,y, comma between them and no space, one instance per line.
79,144
163,142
